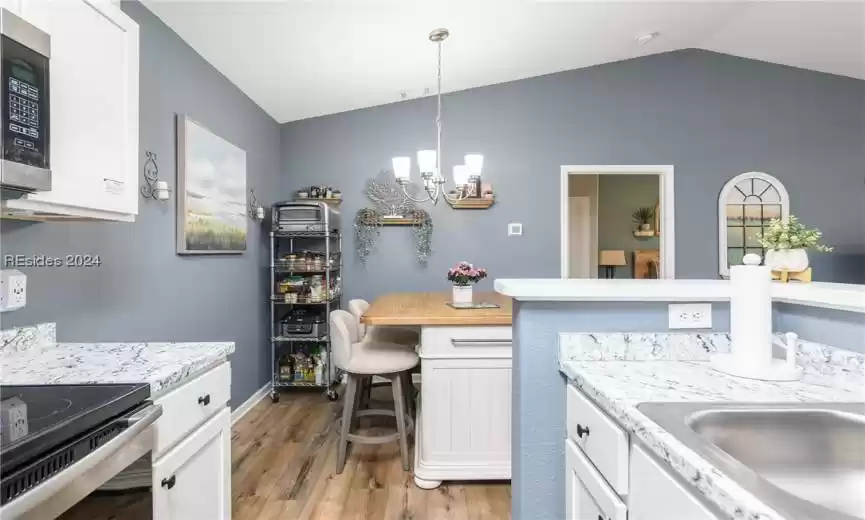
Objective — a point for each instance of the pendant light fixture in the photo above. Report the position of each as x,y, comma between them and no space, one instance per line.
429,161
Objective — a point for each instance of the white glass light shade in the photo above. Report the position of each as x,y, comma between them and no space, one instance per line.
161,190
461,174
426,161
402,167
475,163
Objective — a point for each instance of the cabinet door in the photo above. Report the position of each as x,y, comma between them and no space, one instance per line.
655,493
579,503
467,417
589,497
194,479
94,107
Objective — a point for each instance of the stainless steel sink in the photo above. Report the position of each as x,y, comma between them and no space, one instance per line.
805,461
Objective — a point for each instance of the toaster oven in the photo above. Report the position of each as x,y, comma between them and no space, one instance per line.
304,217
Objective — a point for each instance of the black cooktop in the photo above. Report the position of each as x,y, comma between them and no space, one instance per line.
35,419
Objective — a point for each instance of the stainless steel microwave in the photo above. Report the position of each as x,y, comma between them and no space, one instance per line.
304,217
26,53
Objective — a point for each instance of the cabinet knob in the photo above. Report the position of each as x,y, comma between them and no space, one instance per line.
600,517
205,400
583,431
169,482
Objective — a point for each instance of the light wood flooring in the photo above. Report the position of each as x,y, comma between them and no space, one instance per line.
283,460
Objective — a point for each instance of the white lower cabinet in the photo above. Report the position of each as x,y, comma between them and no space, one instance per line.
464,417
656,494
589,497
193,481
609,478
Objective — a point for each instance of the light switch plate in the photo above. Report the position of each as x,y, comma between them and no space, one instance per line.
690,316
515,229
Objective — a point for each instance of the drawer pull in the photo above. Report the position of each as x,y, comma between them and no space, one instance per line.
169,482
480,342
583,431
204,401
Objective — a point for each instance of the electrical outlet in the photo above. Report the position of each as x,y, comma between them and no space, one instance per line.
515,229
13,290
690,316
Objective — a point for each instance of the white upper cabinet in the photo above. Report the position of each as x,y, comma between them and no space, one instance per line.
94,111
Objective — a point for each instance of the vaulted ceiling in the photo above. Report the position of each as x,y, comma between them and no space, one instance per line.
305,58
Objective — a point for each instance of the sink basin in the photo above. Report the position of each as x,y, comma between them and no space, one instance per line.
806,461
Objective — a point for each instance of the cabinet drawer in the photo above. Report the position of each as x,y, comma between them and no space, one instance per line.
189,406
600,438
589,497
466,342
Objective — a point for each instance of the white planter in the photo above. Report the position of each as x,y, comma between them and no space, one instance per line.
462,294
794,260
645,227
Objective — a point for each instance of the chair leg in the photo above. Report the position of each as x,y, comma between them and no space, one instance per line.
408,392
358,401
347,414
399,405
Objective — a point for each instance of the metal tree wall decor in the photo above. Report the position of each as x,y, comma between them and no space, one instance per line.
391,207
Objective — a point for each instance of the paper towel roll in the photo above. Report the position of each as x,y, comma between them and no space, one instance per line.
751,316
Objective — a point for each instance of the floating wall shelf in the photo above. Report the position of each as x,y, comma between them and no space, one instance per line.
332,201
472,203
644,234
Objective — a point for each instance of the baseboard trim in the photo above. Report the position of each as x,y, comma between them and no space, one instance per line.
244,408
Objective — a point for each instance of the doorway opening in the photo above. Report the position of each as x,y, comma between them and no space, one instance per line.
600,236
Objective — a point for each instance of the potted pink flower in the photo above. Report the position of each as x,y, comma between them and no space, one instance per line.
463,276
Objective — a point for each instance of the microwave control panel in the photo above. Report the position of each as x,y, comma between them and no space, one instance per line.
25,105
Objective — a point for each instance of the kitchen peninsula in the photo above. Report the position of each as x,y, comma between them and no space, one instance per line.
545,311
464,410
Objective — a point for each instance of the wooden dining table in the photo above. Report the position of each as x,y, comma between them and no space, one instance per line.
463,420
431,308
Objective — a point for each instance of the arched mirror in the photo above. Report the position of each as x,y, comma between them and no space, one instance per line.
746,205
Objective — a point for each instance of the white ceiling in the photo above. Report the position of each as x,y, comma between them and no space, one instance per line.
304,58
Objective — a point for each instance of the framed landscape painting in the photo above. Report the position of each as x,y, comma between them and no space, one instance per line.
211,192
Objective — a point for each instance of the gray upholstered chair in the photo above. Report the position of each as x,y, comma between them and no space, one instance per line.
360,360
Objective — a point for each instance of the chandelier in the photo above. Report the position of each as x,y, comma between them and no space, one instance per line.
429,161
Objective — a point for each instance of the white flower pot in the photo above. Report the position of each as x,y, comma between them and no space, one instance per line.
645,227
794,260
462,294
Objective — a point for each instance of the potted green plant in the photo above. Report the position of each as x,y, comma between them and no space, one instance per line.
787,242
643,218
463,276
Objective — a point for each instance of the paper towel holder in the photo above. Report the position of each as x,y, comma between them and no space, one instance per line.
755,361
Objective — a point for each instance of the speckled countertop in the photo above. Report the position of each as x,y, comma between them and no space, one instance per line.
30,355
620,371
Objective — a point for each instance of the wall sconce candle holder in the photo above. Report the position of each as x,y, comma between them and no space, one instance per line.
253,209
153,188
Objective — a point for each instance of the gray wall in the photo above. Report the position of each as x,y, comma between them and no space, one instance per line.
713,116
829,327
618,197
144,291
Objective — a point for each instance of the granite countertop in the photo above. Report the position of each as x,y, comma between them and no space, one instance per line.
31,355
620,371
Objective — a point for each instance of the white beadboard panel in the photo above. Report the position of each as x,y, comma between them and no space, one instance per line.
467,419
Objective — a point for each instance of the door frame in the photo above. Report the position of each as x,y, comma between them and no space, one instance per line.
666,197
